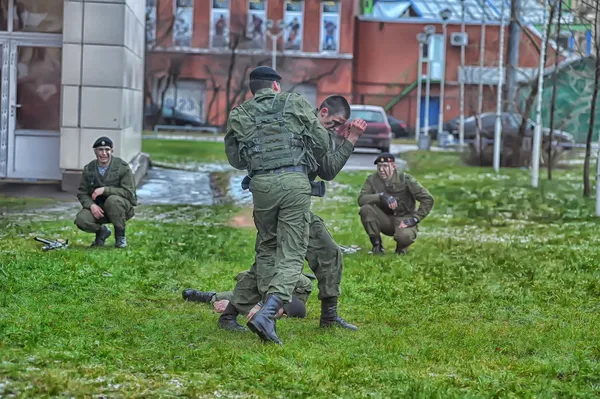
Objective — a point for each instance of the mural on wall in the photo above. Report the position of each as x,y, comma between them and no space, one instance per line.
219,31
294,19
257,17
184,20
150,23
330,24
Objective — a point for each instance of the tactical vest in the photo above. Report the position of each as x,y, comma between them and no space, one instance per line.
269,144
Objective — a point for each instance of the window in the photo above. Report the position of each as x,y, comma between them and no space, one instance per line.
435,56
257,17
368,116
151,23
184,22
330,26
219,32
294,19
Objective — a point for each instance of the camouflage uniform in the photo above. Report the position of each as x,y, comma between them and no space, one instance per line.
118,199
378,218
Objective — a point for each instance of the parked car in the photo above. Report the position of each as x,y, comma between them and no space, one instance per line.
399,127
511,123
379,132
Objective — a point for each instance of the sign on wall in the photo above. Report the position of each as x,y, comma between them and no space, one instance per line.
219,31
257,19
330,26
294,20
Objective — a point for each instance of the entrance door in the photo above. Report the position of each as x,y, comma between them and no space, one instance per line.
34,109
434,112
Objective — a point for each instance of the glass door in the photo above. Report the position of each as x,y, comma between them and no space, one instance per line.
34,104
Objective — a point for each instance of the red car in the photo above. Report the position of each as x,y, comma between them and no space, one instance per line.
379,132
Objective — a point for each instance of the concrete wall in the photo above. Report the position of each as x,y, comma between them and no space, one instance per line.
102,78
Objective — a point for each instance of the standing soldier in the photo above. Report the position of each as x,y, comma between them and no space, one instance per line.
107,194
323,254
387,205
277,137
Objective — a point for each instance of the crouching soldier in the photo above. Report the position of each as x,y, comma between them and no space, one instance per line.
107,194
387,205
220,300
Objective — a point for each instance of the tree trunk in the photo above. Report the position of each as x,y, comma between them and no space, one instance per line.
588,144
553,103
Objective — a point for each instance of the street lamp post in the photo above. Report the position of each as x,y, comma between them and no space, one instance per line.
461,130
421,39
429,32
274,38
445,15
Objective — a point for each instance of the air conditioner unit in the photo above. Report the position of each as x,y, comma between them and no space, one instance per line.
459,39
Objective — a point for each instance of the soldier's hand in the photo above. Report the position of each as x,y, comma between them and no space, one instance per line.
389,201
220,305
97,192
408,223
357,127
255,309
97,211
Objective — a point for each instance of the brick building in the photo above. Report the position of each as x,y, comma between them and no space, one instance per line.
209,47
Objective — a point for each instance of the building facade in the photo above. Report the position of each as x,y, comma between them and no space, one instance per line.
71,71
201,52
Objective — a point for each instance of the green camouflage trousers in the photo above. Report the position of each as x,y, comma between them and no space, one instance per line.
117,211
249,295
281,217
324,258
375,222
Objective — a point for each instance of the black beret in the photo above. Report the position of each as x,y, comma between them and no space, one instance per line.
384,157
265,73
295,308
103,142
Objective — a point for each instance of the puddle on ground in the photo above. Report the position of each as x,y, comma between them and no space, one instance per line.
175,187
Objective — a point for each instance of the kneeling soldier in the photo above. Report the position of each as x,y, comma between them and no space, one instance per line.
387,205
107,194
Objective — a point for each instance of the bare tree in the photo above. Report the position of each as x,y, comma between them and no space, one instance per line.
588,144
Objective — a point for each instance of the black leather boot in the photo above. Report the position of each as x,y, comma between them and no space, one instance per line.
197,296
101,236
377,245
401,250
263,321
120,240
329,316
228,319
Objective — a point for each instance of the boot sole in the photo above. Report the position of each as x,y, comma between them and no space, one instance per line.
260,332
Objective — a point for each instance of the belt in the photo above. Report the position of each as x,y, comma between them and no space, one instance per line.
277,171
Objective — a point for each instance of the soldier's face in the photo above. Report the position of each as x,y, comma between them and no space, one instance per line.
385,170
103,154
331,122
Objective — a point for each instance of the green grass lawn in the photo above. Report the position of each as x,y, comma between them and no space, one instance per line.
499,297
181,152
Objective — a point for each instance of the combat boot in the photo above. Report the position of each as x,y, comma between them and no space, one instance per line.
377,245
329,316
101,236
401,250
120,240
228,319
263,322
197,296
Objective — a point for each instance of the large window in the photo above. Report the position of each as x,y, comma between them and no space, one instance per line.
330,26
294,20
257,17
151,23
219,24
33,16
184,23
